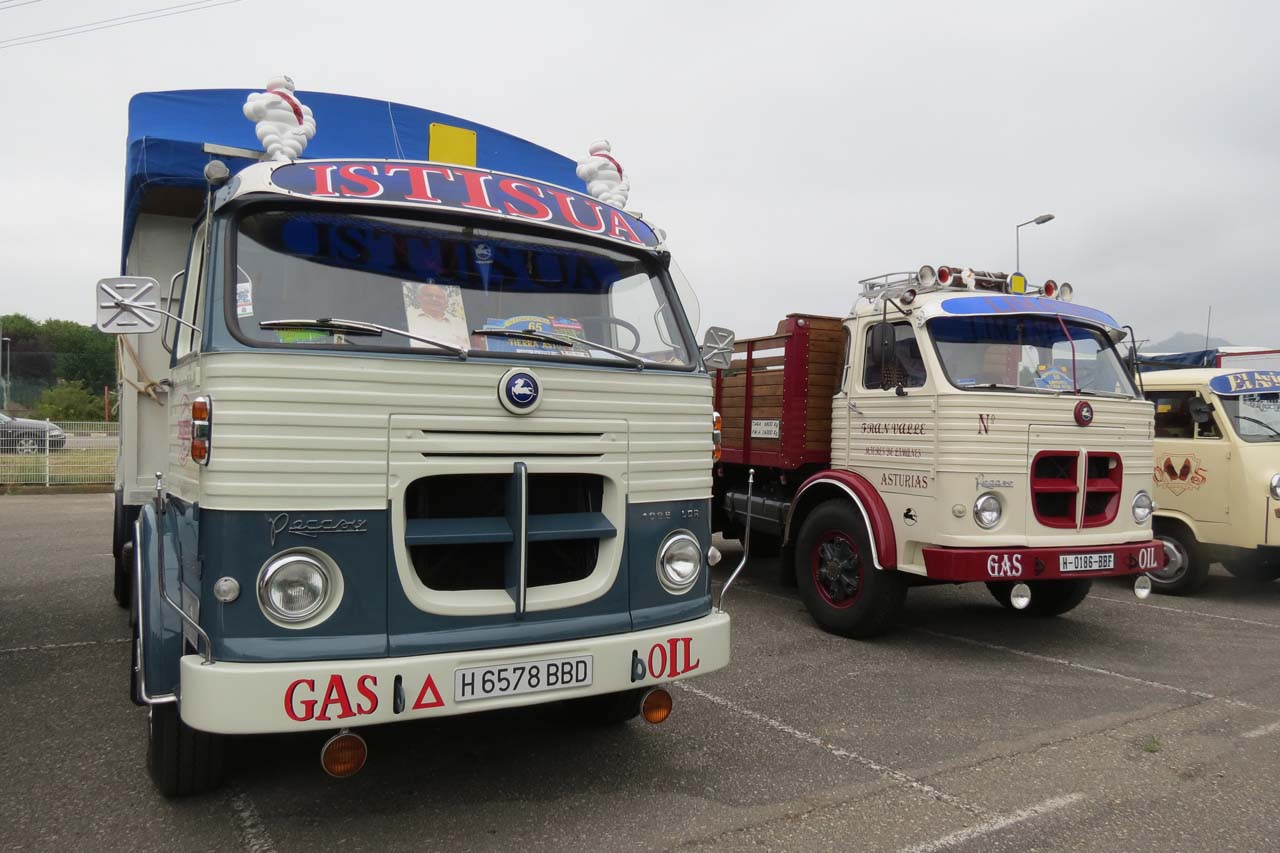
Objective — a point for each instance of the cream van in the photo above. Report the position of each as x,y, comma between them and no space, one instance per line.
1217,474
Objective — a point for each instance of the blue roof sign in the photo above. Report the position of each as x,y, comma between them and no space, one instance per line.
438,185
1246,382
1014,304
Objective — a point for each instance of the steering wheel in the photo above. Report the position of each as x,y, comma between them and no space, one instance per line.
617,321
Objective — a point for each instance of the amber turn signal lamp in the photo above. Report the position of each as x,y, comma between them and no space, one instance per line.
656,705
200,450
343,755
200,409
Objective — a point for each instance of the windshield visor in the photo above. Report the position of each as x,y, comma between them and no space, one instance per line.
444,283
1029,353
1254,417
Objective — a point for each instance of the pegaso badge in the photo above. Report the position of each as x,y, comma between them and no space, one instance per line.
1084,413
519,392
313,527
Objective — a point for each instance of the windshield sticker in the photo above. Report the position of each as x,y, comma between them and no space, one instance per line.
435,311
1245,382
565,327
303,336
465,189
1054,378
244,293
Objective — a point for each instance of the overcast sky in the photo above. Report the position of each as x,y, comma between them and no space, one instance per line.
789,149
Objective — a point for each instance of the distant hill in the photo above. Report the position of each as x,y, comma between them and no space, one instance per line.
1185,342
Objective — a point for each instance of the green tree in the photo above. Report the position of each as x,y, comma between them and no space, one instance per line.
81,354
69,401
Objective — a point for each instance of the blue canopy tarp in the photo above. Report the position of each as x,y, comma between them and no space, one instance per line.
1173,360
168,132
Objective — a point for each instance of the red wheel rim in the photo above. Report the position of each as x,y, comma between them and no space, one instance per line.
836,569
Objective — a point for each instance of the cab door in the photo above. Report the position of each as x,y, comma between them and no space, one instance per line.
1193,458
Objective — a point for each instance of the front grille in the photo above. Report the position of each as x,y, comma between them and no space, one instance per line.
475,531
1056,488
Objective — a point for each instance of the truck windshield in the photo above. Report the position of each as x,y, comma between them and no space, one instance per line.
1029,353
488,292
1254,417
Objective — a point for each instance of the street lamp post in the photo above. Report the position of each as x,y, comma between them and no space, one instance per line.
1017,244
8,370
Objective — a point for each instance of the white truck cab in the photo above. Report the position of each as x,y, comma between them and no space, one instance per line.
1217,473
415,427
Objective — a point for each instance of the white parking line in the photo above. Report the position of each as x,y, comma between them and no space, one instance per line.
253,834
840,752
1199,694
55,646
1262,731
1134,602
995,824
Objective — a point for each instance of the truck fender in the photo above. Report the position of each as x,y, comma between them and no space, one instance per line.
1180,519
159,625
847,484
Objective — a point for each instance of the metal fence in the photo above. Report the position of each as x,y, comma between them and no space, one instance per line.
59,453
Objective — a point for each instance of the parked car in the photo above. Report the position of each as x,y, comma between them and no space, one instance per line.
27,436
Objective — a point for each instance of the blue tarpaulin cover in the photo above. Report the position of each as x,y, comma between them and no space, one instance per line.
1167,361
168,131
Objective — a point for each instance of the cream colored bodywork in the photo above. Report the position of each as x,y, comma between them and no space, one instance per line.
931,453
1228,503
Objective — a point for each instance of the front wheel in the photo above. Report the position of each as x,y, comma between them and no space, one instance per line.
28,445
1185,569
837,579
1253,568
181,760
122,584
1048,598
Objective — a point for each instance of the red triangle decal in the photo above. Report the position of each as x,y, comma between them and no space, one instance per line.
428,689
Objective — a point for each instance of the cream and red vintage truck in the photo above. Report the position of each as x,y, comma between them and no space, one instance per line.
948,430
415,427
1216,474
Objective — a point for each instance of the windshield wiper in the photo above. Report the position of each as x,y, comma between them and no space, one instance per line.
1117,395
997,386
359,327
563,341
1259,423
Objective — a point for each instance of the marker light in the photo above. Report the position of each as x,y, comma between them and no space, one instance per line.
987,510
927,276
1275,487
343,755
1143,506
716,436
1142,586
944,276
201,429
655,707
1065,291
1050,288
226,589
1020,596
907,297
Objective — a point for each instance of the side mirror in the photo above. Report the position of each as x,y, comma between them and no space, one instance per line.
717,348
881,339
128,305
1200,411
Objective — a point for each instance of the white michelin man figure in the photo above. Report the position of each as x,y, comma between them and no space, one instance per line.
284,124
603,175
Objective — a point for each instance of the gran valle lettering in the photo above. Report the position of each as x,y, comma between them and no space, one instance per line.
881,428
434,185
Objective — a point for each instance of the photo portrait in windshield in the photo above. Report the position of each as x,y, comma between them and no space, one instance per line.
1029,353
434,287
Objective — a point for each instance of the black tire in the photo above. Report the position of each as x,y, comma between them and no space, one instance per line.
181,760
1048,598
122,586
608,709
1253,568
1186,567
838,581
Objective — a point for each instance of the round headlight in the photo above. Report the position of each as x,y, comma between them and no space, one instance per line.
1143,506
293,587
679,562
987,510
1275,487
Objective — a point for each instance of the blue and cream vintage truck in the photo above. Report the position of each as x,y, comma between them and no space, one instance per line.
414,427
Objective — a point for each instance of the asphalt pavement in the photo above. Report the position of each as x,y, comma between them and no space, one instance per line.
1123,725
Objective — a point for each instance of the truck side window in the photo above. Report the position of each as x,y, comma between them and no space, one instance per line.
1174,418
906,365
191,310
844,360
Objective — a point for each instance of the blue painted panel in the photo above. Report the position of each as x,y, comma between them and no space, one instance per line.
570,525
1246,382
455,531
161,625
239,544
1016,304
648,525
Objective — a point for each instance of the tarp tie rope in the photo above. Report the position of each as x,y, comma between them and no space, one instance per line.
149,386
